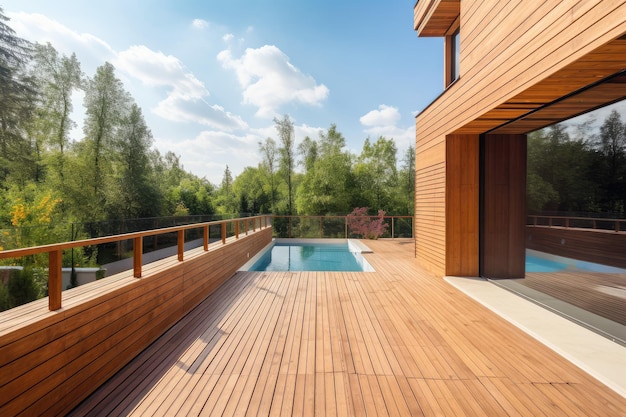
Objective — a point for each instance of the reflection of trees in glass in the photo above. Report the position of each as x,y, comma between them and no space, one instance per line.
306,251
583,171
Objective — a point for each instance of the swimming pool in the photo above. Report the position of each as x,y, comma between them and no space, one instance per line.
543,262
310,256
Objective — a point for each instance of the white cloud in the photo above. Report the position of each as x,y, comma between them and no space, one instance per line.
39,28
228,37
157,69
200,24
236,151
270,81
197,110
384,122
186,99
384,116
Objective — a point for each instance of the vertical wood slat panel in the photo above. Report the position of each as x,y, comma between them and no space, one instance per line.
504,206
462,205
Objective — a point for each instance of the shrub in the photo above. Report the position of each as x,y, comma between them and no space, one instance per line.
22,288
368,227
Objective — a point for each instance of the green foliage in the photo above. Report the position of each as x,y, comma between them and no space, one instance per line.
4,298
286,161
22,287
326,187
586,173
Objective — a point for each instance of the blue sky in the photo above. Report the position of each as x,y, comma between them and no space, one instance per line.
210,76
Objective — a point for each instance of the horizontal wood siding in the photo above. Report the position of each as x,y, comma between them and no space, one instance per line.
462,205
515,57
430,232
50,361
516,48
604,247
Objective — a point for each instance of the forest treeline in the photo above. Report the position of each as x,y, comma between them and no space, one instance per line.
114,172
577,169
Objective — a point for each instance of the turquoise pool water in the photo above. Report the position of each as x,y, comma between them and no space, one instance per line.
309,257
536,264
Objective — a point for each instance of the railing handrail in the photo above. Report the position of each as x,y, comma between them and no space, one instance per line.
55,250
594,221
33,250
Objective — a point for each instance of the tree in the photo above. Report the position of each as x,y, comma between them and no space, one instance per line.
106,104
57,77
376,174
250,193
327,185
612,144
226,202
268,164
308,149
19,95
136,191
407,182
286,156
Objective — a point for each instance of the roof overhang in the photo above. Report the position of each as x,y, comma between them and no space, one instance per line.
435,18
594,81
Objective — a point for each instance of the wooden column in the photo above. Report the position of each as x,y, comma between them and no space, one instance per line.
503,217
55,279
137,256
462,205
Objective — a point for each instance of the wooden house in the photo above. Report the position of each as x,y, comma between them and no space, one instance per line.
511,67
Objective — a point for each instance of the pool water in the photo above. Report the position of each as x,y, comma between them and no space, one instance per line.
309,257
541,262
536,264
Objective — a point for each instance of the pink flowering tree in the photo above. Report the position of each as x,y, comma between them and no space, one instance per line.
368,227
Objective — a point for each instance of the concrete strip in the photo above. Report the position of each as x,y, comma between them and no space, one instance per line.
598,356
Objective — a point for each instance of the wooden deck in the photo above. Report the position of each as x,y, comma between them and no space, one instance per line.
395,342
600,293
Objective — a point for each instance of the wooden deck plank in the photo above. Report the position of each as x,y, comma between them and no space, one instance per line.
394,342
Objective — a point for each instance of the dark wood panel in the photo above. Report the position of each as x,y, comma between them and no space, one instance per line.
503,214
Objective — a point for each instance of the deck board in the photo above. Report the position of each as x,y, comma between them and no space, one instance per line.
393,342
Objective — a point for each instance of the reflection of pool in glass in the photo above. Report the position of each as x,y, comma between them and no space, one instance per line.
536,264
544,262
311,257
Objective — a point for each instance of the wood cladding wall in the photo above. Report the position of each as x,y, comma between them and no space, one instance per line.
52,360
430,213
503,217
591,245
515,57
462,205
508,47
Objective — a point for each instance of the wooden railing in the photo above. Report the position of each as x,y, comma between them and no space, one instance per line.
598,223
334,226
55,251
